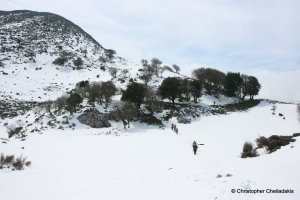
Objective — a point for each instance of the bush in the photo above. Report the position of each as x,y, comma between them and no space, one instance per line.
272,146
14,129
60,102
262,142
2,160
19,163
10,161
248,150
60,61
78,62
274,142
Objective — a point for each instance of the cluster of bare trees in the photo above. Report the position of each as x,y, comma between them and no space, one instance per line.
190,88
211,79
250,86
100,92
233,84
155,68
113,71
125,111
132,98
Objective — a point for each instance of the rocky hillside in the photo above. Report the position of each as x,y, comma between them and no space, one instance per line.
25,33
43,55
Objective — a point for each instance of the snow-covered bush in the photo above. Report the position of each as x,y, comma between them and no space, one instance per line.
248,150
60,61
11,161
262,142
15,128
273,142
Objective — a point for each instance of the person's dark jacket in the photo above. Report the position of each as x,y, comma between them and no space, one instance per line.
195,147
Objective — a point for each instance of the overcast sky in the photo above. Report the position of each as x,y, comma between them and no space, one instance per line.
255,37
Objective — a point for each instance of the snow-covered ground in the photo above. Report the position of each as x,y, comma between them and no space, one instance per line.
145,162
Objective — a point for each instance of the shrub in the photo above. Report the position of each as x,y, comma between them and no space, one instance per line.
60,102
28,163
78,62
10,161
60,61
274,142
272,146
2,160
248,150
19,163
13,129
262,142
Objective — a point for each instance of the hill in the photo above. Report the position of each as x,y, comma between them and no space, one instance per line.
44,56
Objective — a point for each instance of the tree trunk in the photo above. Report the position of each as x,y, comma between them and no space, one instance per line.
124,123
243,97
173,102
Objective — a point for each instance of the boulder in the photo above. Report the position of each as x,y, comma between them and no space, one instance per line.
94,118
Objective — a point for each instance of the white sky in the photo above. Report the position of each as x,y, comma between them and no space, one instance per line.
257,37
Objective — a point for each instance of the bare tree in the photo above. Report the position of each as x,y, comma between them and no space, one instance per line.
147,71
94,93
110,54
167,68
155,64
245,85
161,70
102,59
60,102
153,103
124,72
176,67
126,112
145,77
108,89
113,72
37,110
144,62
212,79
48,105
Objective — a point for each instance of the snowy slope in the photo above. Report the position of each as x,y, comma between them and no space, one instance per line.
149,163
143,162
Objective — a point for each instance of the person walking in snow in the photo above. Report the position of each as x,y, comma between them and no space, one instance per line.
195,147
172,126
176,131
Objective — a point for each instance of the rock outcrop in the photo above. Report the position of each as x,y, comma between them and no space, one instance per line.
95,119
